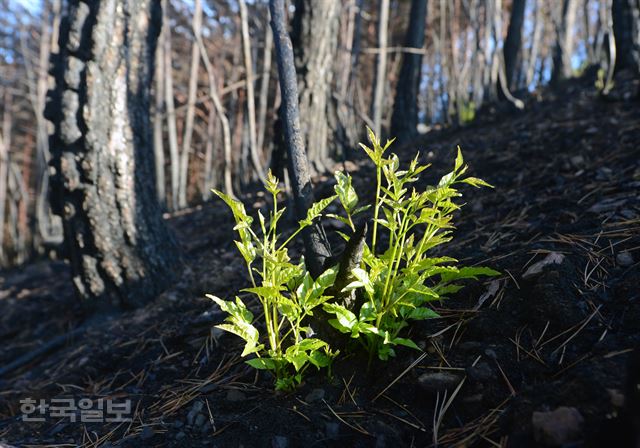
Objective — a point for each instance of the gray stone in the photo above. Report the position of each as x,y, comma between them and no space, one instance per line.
195,410
537,268
558,427
280,442
314,395
180,435
235,395
200,420
624,259
147,433
577,161
491,353
438,381
332,429
480,372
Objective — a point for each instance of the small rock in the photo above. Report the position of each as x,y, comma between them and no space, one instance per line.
624,259
558,427
491,353
617,398
208,388
314,395
195,410
332,429
577,161
477,207
480,372
536,268
235,395
147,433
178,424
280,442
604,173
438,381
200,420
180,435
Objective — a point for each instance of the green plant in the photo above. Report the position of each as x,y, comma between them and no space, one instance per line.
398,282
285,290
394,283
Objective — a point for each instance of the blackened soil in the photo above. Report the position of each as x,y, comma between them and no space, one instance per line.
566,173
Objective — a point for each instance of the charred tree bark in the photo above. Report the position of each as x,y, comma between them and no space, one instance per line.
626,29
381,68
564,46
317,247
404,121
512,43
315,35
120,249
189,119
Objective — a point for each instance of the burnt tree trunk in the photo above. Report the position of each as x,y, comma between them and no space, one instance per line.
512,43
626,29
315,43
317,249
120,249
565,41
404,121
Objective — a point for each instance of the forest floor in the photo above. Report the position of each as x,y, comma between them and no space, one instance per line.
538,356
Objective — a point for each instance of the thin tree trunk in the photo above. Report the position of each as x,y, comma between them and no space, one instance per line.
4,164
381,71
120,249
158,119
191,107
316,245
264,89
224,121
172,130
513,42
404,121
626,28
315,35
535,45
251,102
564,46
208,183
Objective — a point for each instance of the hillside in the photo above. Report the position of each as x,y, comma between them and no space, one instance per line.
556,331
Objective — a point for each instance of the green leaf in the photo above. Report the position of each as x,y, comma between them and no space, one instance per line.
316,210
298,359
265,291
469,272
319,359
385,351
406,342
237,309
262,363
422,313
459,160
247,332
345,191
447,180
475,182
363,278
308,344
345,318
271,185
237,208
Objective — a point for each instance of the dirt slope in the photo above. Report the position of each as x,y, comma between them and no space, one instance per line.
567,177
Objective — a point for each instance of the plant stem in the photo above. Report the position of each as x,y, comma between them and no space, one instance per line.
376,209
